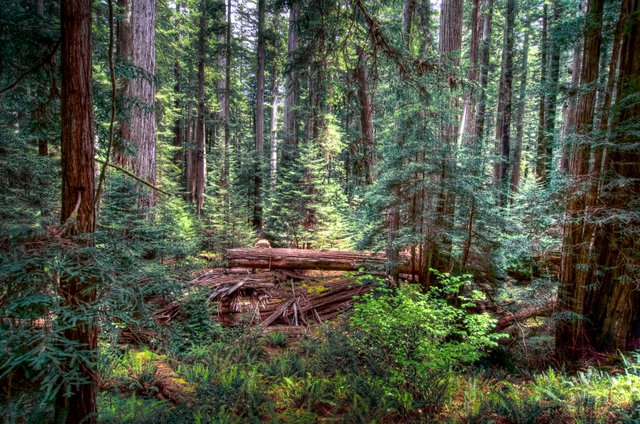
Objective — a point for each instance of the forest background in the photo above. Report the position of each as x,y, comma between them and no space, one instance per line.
492,138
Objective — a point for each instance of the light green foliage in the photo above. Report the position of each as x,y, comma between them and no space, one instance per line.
308,207
277,339
528,230
134,410
414,333
135,372
590,396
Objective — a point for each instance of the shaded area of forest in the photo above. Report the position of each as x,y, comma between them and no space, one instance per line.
482,156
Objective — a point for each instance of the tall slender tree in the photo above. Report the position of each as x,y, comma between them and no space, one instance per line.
257,214
199,155
366,115
543,152
485,59
291,83
503,119
467,127
520,112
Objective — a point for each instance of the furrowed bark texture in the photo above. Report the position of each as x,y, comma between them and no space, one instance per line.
136,40
78,170
571,339
612,310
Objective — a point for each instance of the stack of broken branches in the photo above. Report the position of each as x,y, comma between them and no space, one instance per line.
280,298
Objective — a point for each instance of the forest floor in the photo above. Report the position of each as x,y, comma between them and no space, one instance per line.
306,365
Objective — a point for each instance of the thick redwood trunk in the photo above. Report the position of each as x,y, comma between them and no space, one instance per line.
571,339
612,309
437,241
78,170
136,39
336,260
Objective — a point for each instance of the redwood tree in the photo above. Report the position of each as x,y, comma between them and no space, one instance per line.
78,212
571,339
136,40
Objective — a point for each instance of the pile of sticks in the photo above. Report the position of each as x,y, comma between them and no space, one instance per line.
276,297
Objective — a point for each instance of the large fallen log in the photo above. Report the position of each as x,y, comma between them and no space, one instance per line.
326,260
544,310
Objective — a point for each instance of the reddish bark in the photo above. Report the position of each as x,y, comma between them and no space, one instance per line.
78,170
136,40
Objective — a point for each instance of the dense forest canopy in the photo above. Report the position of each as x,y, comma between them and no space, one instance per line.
473,164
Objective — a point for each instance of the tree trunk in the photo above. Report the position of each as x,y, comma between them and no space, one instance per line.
467,127
136,40
503,119
569,117
407,19
39,114
273,154
227,114
437,242
78,170
522,100
178,128
336,260
291,85
485,61
545,149
612,308
543,152
424,14
200,153
600,147
366,115
571,339
257,213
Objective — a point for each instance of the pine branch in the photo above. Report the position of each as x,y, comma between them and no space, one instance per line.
134,176
37,66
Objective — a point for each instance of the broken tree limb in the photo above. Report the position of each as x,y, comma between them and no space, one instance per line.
326,260
543,310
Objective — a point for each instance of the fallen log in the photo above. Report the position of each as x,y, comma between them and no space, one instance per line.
543,310
326,260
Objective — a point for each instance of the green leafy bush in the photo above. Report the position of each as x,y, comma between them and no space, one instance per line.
412,332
